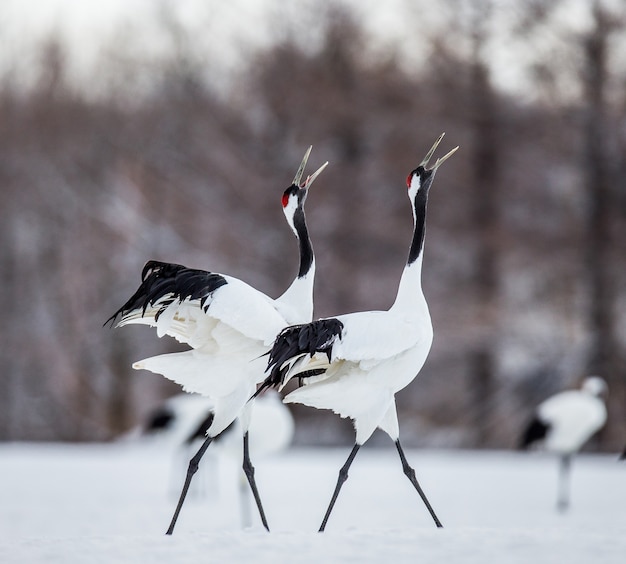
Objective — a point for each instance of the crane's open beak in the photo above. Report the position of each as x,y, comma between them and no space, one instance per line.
440,161
432,150
430,153
298,176
309,179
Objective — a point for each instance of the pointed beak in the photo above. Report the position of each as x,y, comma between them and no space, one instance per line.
432,150
440,161
298,176
312,177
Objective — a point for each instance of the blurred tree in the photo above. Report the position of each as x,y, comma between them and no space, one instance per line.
164,161
485,122
602,182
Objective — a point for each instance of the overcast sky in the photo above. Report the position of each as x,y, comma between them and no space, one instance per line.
86,26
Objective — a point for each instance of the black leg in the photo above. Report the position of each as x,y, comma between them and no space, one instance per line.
193,468
343,476
410,474
562,503
249,471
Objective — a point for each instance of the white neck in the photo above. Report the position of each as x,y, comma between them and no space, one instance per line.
296,303
410,298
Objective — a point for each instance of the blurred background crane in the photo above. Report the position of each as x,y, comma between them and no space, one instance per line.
137,139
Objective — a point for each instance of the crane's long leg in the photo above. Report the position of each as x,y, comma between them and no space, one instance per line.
410,474
249,470
564,475
343,476
191,470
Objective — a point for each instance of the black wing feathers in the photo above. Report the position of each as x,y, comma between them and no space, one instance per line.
172,281
159,420
299,340
199,432
535,431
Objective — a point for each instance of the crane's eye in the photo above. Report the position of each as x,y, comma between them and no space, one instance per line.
285,199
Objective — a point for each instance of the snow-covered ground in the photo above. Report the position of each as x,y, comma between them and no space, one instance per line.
112,503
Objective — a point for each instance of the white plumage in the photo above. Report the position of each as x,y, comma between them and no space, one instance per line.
228,324
563,423
566,421
179,420
573,416
354,364
368,366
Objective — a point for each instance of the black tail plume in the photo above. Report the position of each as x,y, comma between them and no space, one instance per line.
297,341
534,432
161,280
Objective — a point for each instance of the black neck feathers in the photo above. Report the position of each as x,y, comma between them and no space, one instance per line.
304,242
417,244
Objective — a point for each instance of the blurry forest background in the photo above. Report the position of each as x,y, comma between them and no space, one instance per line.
170,155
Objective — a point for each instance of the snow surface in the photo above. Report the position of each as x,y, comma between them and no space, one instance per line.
112,503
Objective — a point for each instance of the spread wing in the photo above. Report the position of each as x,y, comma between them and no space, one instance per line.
362,339
189,304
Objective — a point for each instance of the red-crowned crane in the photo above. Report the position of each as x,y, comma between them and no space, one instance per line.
563,423
228,324
354,364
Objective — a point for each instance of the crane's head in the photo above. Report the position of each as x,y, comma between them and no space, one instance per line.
295,196
595,386
422,177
